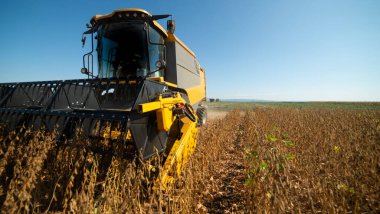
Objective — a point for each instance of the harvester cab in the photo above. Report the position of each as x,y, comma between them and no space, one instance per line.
144,88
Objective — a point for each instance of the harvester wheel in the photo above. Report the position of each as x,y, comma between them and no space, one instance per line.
202,115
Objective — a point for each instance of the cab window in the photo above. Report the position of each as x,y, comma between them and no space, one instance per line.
156,50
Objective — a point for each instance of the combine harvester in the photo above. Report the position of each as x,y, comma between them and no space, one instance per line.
147,93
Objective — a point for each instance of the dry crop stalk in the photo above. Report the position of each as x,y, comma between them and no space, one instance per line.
25,177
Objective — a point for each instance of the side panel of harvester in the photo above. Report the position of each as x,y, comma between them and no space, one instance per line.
184,70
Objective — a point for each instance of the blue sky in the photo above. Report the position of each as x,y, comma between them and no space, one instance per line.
288,50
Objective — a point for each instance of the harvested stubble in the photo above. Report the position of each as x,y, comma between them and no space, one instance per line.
273,160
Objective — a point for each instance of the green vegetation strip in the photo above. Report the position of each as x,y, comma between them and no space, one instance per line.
333,105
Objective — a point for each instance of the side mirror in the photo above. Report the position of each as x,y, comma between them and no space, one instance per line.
83,40
84,71
170,25
161,64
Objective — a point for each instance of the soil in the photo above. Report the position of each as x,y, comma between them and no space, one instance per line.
229,177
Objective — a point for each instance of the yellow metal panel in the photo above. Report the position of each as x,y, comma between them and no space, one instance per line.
147,107
197,93
168,102
160,28
99,16
164,119
158,79
179,153
161,79
171,84
156,24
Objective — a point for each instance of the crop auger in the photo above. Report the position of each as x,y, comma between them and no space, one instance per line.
147,93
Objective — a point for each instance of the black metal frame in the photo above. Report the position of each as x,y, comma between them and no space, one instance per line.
53,105
9,91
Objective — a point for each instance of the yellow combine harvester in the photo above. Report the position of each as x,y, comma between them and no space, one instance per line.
147,93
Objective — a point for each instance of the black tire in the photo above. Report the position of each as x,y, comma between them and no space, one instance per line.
202,116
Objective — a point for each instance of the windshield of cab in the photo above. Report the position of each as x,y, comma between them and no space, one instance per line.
129,50
122,50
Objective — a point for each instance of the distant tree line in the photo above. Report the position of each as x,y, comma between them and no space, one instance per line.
211,100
